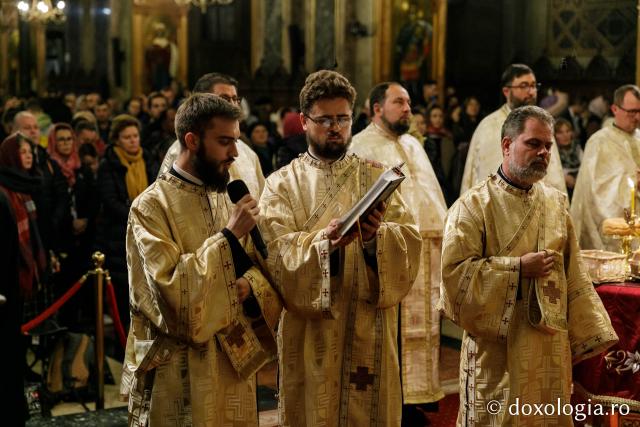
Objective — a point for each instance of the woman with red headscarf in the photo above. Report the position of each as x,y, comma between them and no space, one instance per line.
63,148
22,263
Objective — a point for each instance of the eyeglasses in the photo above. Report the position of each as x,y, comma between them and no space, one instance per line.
526,86
232,99
631,112
329,122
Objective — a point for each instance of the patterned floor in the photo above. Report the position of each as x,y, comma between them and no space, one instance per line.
70,414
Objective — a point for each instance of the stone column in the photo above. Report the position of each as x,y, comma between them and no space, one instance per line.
272,55
325,42
88,35
24,67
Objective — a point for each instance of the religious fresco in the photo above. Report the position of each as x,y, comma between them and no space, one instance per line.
412,32
159,37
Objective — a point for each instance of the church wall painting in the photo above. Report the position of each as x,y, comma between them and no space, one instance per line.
409,42
412,30
159,45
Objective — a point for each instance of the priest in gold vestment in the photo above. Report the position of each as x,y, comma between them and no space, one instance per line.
608,172
247,165
338,334
202,314
519,87
513,279
385,140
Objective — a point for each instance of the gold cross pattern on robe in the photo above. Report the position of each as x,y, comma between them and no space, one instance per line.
551,292
235,337
361,378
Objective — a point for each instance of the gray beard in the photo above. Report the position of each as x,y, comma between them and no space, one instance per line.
526,174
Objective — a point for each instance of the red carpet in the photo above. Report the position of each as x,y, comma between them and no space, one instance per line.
447,412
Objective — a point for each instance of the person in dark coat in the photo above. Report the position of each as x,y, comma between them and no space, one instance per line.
124,172
22,262
53,197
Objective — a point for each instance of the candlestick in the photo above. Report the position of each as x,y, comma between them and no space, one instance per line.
632,205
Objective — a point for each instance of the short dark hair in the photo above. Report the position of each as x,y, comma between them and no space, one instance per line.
87,150
512,72
85,125
325,84
154,95
119,123
206,82
513,126
378,94
618,95
196,112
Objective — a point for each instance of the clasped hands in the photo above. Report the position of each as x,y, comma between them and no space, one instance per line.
369,228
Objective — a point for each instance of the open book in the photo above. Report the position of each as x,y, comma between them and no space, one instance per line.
379,192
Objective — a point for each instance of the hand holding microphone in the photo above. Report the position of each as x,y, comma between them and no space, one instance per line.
243,217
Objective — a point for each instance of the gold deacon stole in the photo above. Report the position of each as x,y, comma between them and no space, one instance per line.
546,301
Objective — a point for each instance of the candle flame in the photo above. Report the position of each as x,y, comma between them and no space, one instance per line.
631,183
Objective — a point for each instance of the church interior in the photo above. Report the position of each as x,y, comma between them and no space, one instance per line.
81,63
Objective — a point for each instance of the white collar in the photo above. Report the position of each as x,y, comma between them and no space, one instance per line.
186,175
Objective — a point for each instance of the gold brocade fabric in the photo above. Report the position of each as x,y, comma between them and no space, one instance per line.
517,347
184,303
420,321
611,158
485,154
337,338
246,166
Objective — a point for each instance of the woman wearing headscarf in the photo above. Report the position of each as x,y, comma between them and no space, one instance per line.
63,150
22,262
124,172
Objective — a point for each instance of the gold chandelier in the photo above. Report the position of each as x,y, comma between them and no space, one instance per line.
203,4
42,10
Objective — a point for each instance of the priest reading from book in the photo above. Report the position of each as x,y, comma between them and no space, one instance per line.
513,279
338,350
203,314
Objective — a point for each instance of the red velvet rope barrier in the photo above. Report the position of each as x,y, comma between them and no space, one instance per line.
111,297
54,307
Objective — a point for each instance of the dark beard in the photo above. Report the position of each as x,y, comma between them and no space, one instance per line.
330,150
517,103
398,128
208,171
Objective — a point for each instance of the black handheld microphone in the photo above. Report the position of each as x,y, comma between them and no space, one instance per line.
237,190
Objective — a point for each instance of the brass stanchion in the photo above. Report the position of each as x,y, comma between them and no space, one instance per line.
98,261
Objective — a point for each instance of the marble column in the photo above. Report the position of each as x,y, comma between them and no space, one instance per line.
324,45
272,54
88,34
25,63
359,48
120,61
